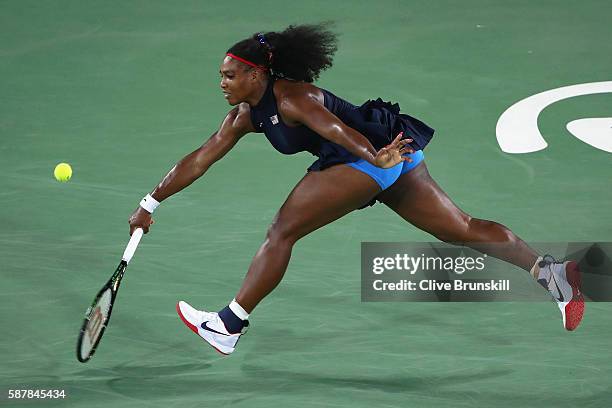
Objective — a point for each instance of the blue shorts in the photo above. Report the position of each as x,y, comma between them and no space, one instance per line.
386,177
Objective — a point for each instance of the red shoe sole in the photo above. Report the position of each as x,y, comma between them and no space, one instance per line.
574,310
195,329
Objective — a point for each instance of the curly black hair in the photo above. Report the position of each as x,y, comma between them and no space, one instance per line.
299,52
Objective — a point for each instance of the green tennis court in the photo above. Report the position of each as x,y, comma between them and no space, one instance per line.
122,90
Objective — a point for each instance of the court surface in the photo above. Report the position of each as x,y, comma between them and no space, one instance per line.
122,90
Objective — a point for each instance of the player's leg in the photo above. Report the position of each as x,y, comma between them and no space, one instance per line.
417,198
318,199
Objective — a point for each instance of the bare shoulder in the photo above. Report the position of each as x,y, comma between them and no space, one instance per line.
288,91
294,99
239,119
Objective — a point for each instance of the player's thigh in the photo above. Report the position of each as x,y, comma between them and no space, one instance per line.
322,197
417,198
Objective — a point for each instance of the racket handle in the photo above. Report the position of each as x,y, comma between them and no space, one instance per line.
132,245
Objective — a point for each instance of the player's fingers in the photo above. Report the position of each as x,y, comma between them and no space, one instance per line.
397,138
407,159
405,150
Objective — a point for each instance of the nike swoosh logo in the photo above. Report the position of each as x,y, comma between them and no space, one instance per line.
205,327
560,298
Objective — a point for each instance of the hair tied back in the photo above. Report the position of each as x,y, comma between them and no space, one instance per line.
262,41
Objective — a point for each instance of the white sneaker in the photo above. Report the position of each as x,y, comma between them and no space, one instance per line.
210,327
562,280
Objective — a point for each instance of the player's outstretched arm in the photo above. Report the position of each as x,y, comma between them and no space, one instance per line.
236,124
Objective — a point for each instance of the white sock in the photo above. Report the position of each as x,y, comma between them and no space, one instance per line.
535,269
238,310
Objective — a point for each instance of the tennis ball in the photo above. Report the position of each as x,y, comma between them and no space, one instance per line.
62,172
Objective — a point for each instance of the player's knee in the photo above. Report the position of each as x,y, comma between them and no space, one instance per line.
503,234
456,232
485,230
281,233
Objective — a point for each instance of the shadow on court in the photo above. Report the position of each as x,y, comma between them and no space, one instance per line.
192,382
391,383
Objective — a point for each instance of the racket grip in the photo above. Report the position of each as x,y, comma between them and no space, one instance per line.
132,245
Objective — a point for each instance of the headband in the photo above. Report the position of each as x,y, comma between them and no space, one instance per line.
237,58
262,41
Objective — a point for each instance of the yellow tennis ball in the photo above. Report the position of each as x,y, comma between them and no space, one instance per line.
62,172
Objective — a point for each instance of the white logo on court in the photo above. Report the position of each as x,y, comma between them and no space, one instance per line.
517,128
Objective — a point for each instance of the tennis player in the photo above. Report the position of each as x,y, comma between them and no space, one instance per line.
364,153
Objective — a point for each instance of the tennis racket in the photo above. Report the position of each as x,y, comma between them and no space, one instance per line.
99,313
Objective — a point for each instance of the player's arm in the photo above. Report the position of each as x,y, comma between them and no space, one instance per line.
303,107
236,124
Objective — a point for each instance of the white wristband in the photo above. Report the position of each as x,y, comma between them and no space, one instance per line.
149,203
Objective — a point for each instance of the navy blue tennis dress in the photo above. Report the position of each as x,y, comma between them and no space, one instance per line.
380,122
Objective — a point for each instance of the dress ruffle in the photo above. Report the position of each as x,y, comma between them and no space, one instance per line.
382,122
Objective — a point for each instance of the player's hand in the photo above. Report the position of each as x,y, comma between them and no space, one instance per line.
140,218
391,154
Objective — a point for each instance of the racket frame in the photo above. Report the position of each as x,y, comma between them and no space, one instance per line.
112,284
